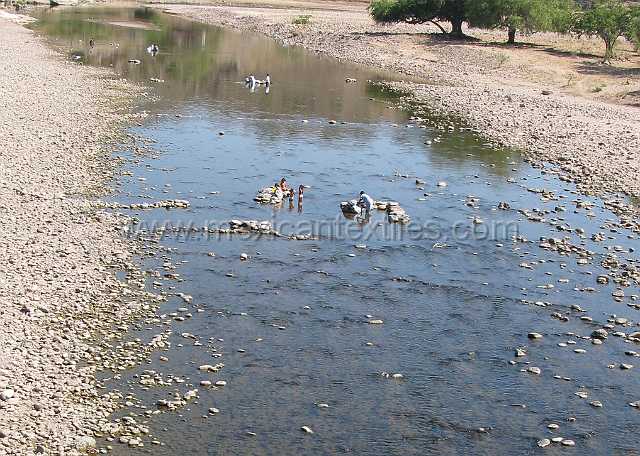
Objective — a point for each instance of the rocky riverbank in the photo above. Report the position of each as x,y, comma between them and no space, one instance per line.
63,310
516,97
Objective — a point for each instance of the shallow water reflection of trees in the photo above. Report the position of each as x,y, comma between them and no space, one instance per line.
204,65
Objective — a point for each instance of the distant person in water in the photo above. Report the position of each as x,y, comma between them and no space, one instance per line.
292,193
300,197
284,186
267,80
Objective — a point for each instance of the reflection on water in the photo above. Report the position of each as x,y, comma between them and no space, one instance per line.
291,320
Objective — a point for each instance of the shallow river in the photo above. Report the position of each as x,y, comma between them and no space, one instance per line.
292,323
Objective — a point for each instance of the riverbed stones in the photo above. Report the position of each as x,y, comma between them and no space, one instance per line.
61,251
246,226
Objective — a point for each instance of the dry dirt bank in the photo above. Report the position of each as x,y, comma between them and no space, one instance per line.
58,290
554,101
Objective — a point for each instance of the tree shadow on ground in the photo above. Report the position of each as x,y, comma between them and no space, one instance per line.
632,99
533,46
597,68
435,36
391,33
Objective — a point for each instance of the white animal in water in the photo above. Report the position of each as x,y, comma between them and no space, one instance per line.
153,49
251,80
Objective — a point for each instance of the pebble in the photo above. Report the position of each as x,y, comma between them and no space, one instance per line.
7,394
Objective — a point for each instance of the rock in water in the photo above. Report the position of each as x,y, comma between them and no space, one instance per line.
600,334
544,443
350,207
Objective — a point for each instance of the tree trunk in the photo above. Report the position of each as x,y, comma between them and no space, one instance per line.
512,35
439,26
456,28
609,52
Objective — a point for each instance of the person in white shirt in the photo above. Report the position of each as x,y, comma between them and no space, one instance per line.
365,202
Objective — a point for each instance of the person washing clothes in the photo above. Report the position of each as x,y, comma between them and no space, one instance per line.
365,202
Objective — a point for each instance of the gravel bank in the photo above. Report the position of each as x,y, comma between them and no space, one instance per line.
58,255
596,144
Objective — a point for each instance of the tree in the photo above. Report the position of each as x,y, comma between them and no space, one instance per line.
633,32
421,11
608,19
523,15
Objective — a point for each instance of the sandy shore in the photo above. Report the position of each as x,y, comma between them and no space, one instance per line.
58,289
558,106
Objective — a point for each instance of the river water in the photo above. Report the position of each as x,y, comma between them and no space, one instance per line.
292,323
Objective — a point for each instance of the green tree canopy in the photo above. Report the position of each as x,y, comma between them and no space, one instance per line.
420,11
608,19
633,32
523,15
